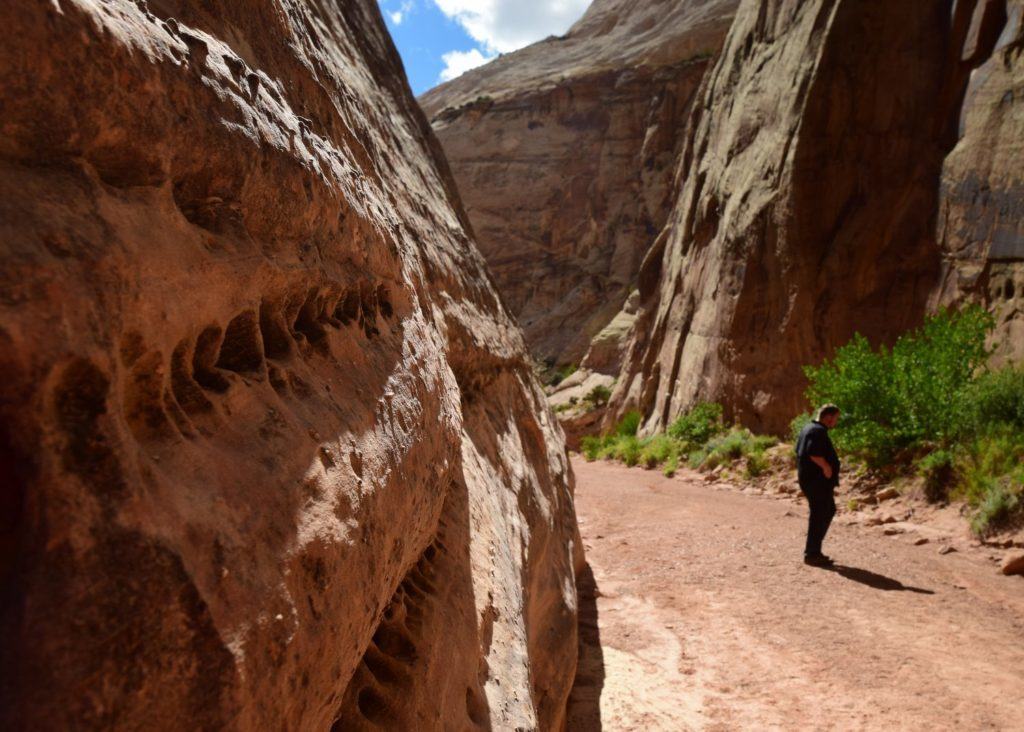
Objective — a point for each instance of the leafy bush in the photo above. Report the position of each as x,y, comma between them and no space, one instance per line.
629,424
995,397
627,449
698,425
894,398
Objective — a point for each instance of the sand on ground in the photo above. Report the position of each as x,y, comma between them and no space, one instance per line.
698,613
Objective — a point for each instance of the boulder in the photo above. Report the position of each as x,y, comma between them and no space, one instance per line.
1013,564
273,451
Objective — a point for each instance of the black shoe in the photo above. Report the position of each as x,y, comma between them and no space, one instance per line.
818,560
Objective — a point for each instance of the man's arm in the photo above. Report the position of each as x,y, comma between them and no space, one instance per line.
823,464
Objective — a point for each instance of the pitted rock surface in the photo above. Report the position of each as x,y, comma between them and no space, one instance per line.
274,455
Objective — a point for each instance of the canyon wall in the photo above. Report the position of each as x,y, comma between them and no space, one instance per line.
980,227
273,453
564,154
821,149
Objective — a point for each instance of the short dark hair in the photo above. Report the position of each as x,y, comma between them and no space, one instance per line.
827,410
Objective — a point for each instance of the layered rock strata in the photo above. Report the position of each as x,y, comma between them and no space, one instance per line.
564,154
273,453
811,184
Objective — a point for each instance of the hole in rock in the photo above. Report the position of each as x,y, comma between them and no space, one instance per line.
204,358
242,349
276,341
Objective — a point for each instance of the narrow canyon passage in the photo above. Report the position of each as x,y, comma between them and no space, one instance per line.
697,613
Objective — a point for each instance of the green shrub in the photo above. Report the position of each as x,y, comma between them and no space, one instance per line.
757,464
590,446
627,449
937,470
736,444
656,450
895,397
671,465
563,373
698,425
995,397
597,397
1001,503
629,424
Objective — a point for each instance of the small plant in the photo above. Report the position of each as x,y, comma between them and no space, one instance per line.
757,464
937,470
597,397
562,373
657,450
591,446
559,408
629,424
1001,502
852,505
671,465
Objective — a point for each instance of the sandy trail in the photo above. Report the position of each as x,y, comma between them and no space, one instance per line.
704,617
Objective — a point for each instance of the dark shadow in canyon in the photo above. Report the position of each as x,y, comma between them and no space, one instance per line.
584,713
875,580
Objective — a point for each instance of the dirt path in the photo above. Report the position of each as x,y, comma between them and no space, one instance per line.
705,618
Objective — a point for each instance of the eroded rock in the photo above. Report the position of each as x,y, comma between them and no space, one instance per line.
274,456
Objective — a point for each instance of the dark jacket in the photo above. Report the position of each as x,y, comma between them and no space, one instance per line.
814,441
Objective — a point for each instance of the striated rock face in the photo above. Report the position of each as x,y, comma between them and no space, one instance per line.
981,209
564,153
273,454
807,212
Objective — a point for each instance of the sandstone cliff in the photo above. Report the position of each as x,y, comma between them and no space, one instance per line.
980,227
273,454
564,153
810,189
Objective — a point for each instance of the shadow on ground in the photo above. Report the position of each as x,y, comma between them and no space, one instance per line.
585,700
873,579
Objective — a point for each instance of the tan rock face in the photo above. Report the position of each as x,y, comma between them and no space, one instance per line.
564,154
981,210
272,449
807,212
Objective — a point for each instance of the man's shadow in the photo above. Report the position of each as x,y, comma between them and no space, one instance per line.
872,579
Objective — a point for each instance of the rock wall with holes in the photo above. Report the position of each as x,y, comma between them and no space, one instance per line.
848,166
273,455
564,153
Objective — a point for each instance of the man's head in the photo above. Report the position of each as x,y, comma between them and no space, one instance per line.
828,415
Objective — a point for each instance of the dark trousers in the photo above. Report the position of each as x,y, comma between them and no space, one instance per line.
821,499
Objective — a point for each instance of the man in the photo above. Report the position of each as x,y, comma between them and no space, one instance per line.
818,473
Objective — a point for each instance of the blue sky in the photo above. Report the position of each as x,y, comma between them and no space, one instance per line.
439,39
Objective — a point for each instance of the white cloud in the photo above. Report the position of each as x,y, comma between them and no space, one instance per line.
457,63
397,16
500,26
